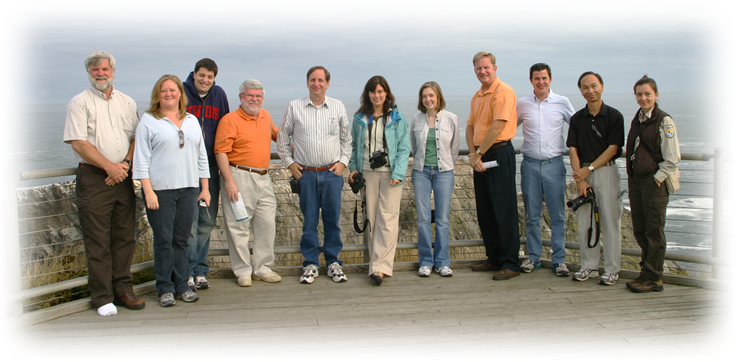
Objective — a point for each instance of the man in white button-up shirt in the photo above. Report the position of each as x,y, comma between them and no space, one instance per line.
100,126
542,116
314,142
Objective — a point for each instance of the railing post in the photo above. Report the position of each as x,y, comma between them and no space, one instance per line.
717,206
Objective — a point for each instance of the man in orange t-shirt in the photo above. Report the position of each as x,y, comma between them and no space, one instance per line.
490,128
242,150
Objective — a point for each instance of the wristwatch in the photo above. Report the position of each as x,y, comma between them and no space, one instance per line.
591,168
478,152
128,161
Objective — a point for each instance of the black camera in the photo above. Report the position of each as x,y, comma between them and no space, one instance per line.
295,187
582,200
357,182
378,159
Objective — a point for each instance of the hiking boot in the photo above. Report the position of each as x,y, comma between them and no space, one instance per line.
647,286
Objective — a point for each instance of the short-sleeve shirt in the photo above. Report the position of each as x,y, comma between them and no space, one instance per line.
246,139
497,103
592,135
107,124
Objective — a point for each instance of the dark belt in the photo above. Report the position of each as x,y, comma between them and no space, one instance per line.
91,168
585,164
245,168
322,168
497,145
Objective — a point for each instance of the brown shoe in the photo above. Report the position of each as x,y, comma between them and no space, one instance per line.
485,266
505,274
639,279
130,301
647,286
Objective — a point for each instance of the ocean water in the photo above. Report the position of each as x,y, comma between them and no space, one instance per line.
688,228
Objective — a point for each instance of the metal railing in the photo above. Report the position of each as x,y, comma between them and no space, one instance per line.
468,240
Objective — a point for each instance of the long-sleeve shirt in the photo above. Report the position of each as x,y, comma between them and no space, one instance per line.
320,135
159,158
542,124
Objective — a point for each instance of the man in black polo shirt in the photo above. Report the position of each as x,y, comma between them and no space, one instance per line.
595,140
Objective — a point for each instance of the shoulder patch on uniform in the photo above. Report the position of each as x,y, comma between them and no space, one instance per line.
669,131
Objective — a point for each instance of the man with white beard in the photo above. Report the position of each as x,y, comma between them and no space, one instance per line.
100,125
242,150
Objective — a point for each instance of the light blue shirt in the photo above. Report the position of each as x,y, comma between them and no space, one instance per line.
158,156
542,124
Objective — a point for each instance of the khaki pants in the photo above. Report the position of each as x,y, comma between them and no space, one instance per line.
383,208
607,188
259,199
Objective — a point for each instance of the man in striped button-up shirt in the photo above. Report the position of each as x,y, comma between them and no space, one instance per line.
318,129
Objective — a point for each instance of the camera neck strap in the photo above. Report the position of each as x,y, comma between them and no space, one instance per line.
594,217
371,141
356,225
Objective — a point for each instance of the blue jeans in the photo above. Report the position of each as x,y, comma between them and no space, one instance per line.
544,178
442,183
171,225
200,233
321,190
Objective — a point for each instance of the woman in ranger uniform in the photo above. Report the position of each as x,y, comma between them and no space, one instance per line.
652,158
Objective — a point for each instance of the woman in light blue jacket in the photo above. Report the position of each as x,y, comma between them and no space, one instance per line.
380,151
435,141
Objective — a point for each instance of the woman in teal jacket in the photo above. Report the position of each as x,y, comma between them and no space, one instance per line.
380,151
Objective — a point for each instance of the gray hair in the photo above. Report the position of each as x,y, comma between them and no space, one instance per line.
251,84
97,56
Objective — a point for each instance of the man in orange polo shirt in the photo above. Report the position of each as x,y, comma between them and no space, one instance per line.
242,150
490,128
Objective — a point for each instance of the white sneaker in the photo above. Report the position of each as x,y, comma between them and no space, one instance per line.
334,271
425,271
108,310
201,283
191,284
561,270
270,277
609,279
309,273
584,274
244,281
444,271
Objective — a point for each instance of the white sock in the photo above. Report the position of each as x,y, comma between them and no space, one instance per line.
108,310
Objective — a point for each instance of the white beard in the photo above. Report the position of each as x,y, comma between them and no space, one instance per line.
100,84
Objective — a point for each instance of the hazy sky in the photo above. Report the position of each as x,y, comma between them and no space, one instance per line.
408,43
687,46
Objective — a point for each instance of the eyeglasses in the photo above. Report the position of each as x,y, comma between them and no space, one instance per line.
248,96
182,138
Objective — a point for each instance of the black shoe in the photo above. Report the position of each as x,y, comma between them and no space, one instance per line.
377,278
